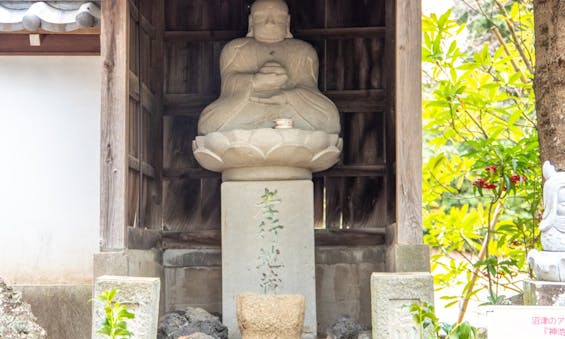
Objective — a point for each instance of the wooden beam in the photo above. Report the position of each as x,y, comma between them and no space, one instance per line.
341,171
358,101
311,33
203,35
212,238
408,123
357,237
135,164
143,239
199,173
340,33
347,101
207,238
80,31
51,44
113,139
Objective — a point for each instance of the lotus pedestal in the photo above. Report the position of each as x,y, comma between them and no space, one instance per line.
267,212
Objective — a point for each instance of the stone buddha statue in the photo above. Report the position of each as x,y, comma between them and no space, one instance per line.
269,75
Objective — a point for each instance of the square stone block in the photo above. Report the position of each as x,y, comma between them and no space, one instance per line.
391,294
139,295
544,293
249,241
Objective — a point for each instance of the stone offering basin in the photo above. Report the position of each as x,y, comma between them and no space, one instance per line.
267,154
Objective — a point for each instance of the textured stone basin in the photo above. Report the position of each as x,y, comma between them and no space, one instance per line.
267,154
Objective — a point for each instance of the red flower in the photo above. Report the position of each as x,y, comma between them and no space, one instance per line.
516,178
483,184
489,186
491,168
479,182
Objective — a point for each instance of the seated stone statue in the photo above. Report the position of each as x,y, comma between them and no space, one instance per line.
269,75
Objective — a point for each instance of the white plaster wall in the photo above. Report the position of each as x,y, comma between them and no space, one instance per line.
49,168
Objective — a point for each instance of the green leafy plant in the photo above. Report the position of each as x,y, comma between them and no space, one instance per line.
425,318
114,325
481,172
270,261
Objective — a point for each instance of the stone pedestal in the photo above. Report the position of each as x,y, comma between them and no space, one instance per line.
247,242
139,295
391,295
544,293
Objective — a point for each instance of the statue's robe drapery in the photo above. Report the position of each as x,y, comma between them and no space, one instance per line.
240,60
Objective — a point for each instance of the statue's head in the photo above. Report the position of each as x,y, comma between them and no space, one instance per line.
269,21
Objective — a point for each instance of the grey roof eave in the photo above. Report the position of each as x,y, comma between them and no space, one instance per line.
53,16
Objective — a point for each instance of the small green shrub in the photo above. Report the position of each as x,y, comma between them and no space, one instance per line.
115,325
425,318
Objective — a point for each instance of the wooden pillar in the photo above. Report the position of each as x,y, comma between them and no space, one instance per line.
113,138
405,250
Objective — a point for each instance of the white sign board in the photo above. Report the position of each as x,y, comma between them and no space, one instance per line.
525,322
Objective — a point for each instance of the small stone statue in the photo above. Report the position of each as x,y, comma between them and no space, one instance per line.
552,226
549,264
269,75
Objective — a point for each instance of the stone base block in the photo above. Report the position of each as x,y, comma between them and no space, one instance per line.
139,295
132,263
268,241
63,311
544,293
193,278
343,276
391,294
408,258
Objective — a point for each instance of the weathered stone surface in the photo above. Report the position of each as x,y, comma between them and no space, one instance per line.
241,220
190,322
544,293
193,287
140,295
16,319
262,316
344,328
390,294
56,306
198,335
408,258
343,282
365,335
343,276
192,257
135,263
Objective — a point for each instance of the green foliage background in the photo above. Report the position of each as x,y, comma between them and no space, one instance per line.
481,173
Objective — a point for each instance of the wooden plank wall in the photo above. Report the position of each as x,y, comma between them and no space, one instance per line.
349,37
144,123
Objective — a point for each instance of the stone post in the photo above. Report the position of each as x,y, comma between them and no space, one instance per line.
139,295
391,295
247,244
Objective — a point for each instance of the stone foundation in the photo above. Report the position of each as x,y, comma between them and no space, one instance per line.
63,311
544,293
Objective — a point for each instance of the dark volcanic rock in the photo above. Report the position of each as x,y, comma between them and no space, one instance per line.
190,322
344,328
16,319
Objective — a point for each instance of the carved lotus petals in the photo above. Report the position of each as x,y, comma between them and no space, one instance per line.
265,147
